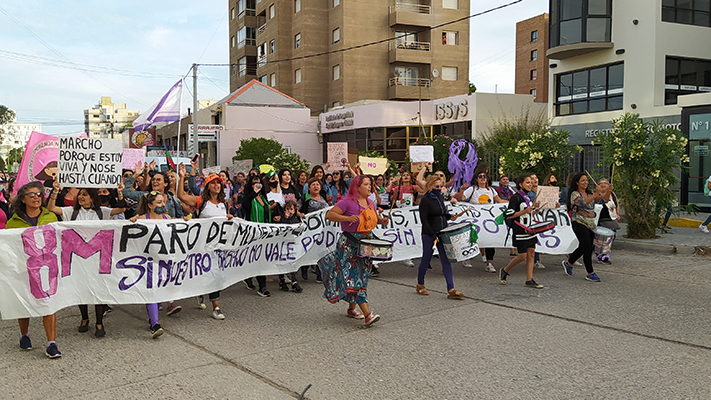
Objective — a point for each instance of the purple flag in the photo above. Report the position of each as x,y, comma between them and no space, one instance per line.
167,109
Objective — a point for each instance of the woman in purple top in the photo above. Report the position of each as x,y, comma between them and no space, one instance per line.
345,275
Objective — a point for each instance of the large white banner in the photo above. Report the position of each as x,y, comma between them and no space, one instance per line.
47,268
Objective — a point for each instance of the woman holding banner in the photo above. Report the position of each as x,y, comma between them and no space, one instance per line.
87,207
345,275
255,208
152,206
313,201
434,217
211,204
28,212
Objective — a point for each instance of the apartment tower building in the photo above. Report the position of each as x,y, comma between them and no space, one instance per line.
305,49
531,61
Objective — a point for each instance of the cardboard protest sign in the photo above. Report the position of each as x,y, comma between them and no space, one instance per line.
212,170
547,196
89,163
373,165
131,157
241,166
337,156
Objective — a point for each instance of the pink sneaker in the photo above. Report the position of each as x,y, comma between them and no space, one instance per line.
353,313
371,319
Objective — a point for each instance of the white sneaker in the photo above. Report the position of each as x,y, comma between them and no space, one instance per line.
217,314
704,229
483,258
578,264
201,302
538,265
409,263
467,264
489,268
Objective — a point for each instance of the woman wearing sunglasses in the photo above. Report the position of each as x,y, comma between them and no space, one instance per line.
434,217
481,192
28,212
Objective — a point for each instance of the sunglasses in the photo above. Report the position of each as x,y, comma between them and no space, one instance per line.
33,194
481,176
438,186
152,193
440,175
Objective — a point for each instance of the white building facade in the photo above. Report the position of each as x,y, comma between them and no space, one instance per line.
107,119
17,134
608,57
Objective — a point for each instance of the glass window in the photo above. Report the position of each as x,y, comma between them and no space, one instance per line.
534,55
336,72
336,2
571,31
272,80
597,7
297,6
233,14
590,90
297,76
336,35
534,36
272,11
272,46
234,42
449,73
297,40
533,92
450,38
534,74
571,9
598,30
451,4
691,12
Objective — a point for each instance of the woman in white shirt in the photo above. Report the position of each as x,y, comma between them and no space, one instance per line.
87,207
210,205
480,192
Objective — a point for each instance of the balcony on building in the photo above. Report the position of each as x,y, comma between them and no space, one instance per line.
405,48
410,12
408,88
578,27
261,22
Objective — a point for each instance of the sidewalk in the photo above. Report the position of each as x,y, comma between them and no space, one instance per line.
680,240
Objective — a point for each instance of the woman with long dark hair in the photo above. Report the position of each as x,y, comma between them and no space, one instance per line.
313,201
27,212
581,206
212,203
345,275
87,207
255,208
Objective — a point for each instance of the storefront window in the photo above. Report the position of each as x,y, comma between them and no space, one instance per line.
697,124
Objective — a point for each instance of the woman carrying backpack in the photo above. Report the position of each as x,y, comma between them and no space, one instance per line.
210,205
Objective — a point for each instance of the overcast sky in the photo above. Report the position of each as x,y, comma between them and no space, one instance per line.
58,58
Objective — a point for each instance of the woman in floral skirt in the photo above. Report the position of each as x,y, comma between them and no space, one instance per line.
345,275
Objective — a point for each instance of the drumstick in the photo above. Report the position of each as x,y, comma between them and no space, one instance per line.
590,176
462,213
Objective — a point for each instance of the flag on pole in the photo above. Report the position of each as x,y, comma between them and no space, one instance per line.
167,109
169,160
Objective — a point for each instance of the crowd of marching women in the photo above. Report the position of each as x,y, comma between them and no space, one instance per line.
358,203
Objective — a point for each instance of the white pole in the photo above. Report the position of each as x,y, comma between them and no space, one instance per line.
194,148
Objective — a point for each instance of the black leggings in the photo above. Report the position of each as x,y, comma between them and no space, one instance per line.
585,247
98,309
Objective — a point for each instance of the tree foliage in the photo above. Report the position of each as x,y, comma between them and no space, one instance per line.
15,156
472,88
292,161
3,167
6,117
259,150
645,157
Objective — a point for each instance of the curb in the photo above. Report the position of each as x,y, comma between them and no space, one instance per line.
684,222
647,247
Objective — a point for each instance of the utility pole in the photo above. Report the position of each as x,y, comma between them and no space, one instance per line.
193,149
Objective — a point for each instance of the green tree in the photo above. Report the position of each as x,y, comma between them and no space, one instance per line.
645,157
472,88
3,167
6,117
544,152
259,150
285,159
15,156
441,144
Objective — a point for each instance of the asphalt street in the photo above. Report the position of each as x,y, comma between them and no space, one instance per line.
643,332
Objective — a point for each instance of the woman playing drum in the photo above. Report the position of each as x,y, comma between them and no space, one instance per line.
521,210
434,217
345,275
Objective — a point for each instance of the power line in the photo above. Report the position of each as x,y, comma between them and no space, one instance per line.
360,46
